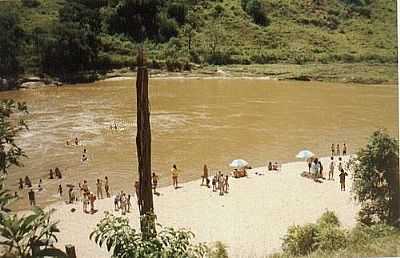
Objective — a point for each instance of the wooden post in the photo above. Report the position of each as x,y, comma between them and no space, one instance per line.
143,144
70,250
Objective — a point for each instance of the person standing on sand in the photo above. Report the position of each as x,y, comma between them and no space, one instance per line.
21,184
85,202
226,184
221,181
338,149
99,186
60,190
342,176
205,175
321,168
154,179
309,165
175,173
76,141
31,197
344,149
340,166
333,149
85,186
331,169
92,198
107,187
123,203
51,174
58,173
116,202
128,202
214,183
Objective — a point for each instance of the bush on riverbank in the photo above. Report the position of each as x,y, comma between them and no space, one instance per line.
327,239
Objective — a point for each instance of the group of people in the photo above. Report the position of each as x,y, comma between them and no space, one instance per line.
315,166
122,201
273,166
337,151
220,182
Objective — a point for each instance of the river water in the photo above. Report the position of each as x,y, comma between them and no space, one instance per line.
194,121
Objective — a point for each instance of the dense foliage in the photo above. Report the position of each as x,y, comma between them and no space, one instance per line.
63,38
124,241
11,123
376,180
20,234
327,239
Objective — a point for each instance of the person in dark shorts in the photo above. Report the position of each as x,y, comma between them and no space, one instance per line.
60,190
344,149
107,187
342,176
204,178
331,169
333,149
154,179
31,197
51,174
21,184
214,183
309,165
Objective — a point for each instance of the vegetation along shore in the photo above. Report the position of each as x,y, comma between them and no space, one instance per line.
61,41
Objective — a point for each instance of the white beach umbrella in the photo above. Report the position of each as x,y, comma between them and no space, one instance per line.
304,154
238,163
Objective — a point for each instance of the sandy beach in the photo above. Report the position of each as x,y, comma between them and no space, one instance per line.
250,220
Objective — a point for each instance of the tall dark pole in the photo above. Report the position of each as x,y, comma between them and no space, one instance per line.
143,144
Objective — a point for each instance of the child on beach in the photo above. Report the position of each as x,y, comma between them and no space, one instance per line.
344,149
270,166
342,176
214,183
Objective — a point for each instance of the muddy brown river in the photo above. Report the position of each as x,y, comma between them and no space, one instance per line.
194,121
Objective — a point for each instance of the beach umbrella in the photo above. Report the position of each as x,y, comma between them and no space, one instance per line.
238,163
304,154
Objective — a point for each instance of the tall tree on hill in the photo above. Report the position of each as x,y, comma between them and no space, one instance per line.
11,37
376,180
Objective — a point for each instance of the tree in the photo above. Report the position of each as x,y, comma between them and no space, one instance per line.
11,37
256,9
124,241
22,234
11,123
376,180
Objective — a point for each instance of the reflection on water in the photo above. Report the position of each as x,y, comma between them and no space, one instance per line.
193,122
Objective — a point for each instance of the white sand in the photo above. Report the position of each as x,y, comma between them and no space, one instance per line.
251,219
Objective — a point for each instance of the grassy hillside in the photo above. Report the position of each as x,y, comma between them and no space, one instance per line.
224,32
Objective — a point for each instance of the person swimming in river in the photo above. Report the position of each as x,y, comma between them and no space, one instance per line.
84,158
58,173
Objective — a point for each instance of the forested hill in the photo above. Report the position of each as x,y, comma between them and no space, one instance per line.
61,37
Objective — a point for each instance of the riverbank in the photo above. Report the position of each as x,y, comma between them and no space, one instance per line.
251,219
358,73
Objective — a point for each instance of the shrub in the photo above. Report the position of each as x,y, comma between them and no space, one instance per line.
328,218
124,241
330,238
218,251
256,10
300,240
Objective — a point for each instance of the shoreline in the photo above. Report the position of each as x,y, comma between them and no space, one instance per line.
283,198
351,73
